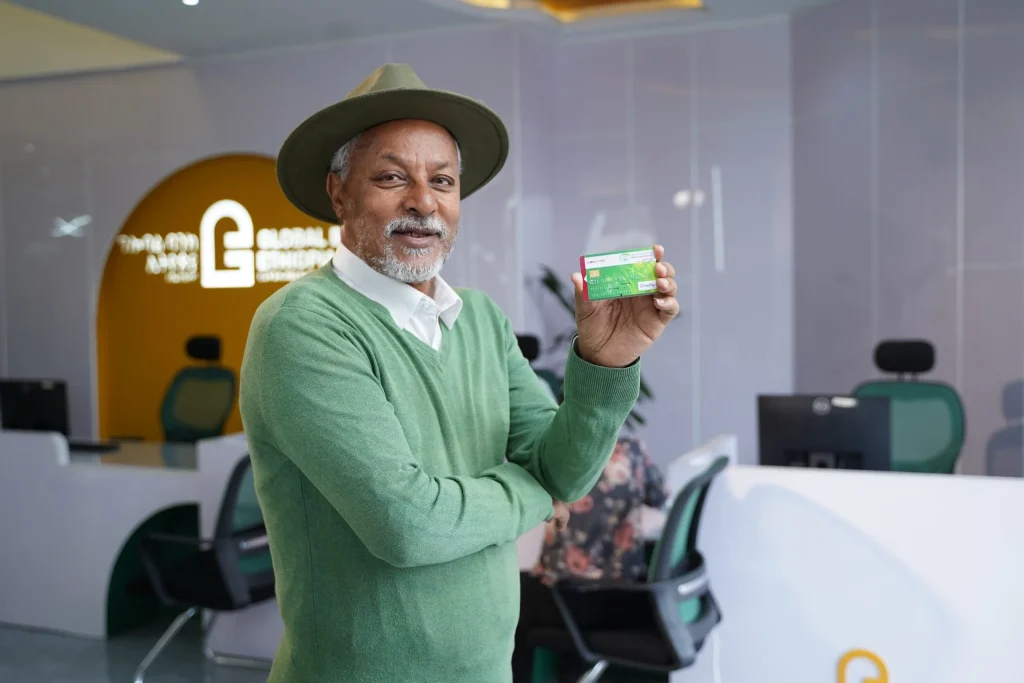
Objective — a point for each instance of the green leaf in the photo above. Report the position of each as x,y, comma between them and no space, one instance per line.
553,284
645,390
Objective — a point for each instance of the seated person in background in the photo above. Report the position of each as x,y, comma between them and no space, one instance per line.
604,537
603,540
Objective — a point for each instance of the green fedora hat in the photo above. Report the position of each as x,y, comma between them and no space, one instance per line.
391,93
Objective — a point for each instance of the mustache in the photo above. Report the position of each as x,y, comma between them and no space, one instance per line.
428,224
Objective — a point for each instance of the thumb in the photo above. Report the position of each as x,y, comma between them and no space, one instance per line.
577,281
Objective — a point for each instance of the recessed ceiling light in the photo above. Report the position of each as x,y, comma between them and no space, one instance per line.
191,3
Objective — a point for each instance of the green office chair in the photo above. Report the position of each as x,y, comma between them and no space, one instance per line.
928,424
229,572
200,398
656,626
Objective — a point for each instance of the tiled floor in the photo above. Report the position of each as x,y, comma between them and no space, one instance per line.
35,657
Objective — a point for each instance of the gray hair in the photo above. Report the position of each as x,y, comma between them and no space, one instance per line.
341,161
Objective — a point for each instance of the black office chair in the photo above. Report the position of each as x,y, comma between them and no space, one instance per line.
229,572
657,626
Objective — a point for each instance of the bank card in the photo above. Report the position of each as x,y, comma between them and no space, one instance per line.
617,274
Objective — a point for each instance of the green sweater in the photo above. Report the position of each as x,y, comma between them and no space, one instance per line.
380,468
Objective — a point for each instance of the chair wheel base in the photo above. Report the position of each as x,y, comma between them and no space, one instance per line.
594,673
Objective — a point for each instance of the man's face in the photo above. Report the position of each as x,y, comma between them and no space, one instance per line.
399,202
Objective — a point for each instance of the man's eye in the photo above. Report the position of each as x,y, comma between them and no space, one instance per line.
444,180
390,176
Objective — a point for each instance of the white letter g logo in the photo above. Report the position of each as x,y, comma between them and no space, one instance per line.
239,260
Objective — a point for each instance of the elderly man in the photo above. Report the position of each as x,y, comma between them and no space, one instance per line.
400,441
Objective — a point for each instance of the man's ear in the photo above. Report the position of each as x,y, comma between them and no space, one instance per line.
336,191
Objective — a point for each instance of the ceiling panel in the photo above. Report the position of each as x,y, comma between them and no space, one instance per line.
82,35
230,26
34,44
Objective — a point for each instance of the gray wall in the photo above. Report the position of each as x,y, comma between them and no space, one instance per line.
639,121
907,168
614,126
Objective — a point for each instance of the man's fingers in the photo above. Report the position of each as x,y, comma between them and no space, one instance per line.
666,286
665,269
667,305
561,515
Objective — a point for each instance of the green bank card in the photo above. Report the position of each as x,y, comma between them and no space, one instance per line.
616,274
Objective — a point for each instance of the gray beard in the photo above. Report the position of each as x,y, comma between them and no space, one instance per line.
394,267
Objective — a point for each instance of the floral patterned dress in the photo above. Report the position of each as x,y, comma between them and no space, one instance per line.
604,537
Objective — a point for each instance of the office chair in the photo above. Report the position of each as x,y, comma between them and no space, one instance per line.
530,346
229,572
928,424
655,626
200,398
1004,447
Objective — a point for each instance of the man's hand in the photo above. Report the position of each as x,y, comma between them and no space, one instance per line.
561,518
615,332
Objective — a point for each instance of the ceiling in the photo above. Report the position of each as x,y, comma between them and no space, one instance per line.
61,36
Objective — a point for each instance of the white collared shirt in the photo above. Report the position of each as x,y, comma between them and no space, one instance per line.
411,309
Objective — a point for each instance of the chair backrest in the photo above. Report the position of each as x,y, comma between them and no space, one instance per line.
240,534
679,536
239,508
686,603
927,424
927,418
197,403
553,382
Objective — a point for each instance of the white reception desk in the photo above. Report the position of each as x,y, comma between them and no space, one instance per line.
64,522
923,572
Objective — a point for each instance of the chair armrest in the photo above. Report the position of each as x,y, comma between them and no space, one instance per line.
177,540
603,605
599,585
149,552
609,605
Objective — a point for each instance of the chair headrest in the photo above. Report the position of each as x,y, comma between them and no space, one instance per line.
913,356
203,348
1013,400
529,345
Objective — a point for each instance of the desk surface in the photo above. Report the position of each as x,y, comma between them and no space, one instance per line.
170,456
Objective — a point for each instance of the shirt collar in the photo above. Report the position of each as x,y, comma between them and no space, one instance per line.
400,299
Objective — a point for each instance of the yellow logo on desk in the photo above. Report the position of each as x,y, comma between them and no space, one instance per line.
842,668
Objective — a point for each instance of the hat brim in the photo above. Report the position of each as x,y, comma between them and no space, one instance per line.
305,157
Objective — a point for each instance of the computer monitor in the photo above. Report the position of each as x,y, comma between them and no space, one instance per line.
39,405
835,432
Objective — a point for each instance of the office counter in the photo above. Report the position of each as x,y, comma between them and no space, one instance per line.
811,566
921,572
65,522
924,572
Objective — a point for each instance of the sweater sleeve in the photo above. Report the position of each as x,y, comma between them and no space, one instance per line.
326,411
566,447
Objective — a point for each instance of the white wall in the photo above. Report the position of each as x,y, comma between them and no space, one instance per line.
616,126
638,121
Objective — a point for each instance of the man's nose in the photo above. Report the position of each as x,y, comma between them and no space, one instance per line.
420,201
